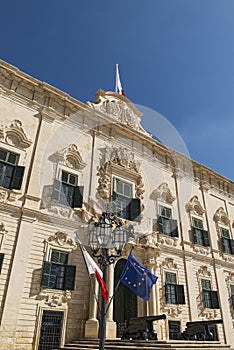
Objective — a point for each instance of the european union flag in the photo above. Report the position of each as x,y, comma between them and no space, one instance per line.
137,278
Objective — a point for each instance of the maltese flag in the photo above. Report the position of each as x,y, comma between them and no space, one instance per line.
93,269
118,86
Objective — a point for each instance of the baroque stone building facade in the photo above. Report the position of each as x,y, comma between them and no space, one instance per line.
60,163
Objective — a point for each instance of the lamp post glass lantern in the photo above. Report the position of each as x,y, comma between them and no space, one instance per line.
107,239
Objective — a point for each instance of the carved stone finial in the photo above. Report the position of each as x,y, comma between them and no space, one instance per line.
73,158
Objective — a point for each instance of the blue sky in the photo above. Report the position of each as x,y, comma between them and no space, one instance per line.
176,57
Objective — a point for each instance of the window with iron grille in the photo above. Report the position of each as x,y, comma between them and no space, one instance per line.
227,242
124,205
57,274
11,175
173,291
167,225
67,192
200,236
210,297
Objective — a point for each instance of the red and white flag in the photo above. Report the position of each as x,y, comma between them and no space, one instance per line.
94,269
118,85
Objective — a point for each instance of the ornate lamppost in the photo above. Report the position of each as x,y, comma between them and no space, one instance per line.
107,239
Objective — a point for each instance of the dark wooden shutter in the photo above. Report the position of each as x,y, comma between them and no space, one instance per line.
206,238
214,299
78,197
70,274
160,225
134,209
232,300
167,291
1,261
223,240
46,274
174,228
56,190
194,235
232,245
180,294
17,178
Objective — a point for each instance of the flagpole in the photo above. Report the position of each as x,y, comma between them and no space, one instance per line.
103,309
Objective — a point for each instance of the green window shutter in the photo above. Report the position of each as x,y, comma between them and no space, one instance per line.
214,299
56,190
78,197
224,240
180,294
232,300
167,292
206,238
194,235
174,228
232,245
134,209
17,178
46,274
70,274
1,261
160,225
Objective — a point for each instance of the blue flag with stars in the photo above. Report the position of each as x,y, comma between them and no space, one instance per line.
137,278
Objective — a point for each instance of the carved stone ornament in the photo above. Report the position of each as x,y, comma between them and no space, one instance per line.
54,298
119,108
70,157
61,239
123,159
163,193
195,207
201,250
204,272
169,264
220,217
172,311
7,196
167,240
15,135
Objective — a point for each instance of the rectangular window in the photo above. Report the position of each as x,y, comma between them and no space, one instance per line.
67,192
1,261
210,298
227,242
57,274
174,330
11,175
232,294
200,236
174,292
124,205
166,225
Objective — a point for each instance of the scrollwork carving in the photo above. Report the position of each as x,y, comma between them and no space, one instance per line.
54,299
15,135
169,264
220,217
195,207
163,193
61,239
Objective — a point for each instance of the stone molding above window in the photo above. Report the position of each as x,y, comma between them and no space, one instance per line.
167,240
220,217
8,196
201,250
59,240
195,207
119,161
15,135
169,264
163,193
54,298
70,157
203,272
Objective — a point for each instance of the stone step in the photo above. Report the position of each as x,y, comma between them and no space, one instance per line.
146,345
